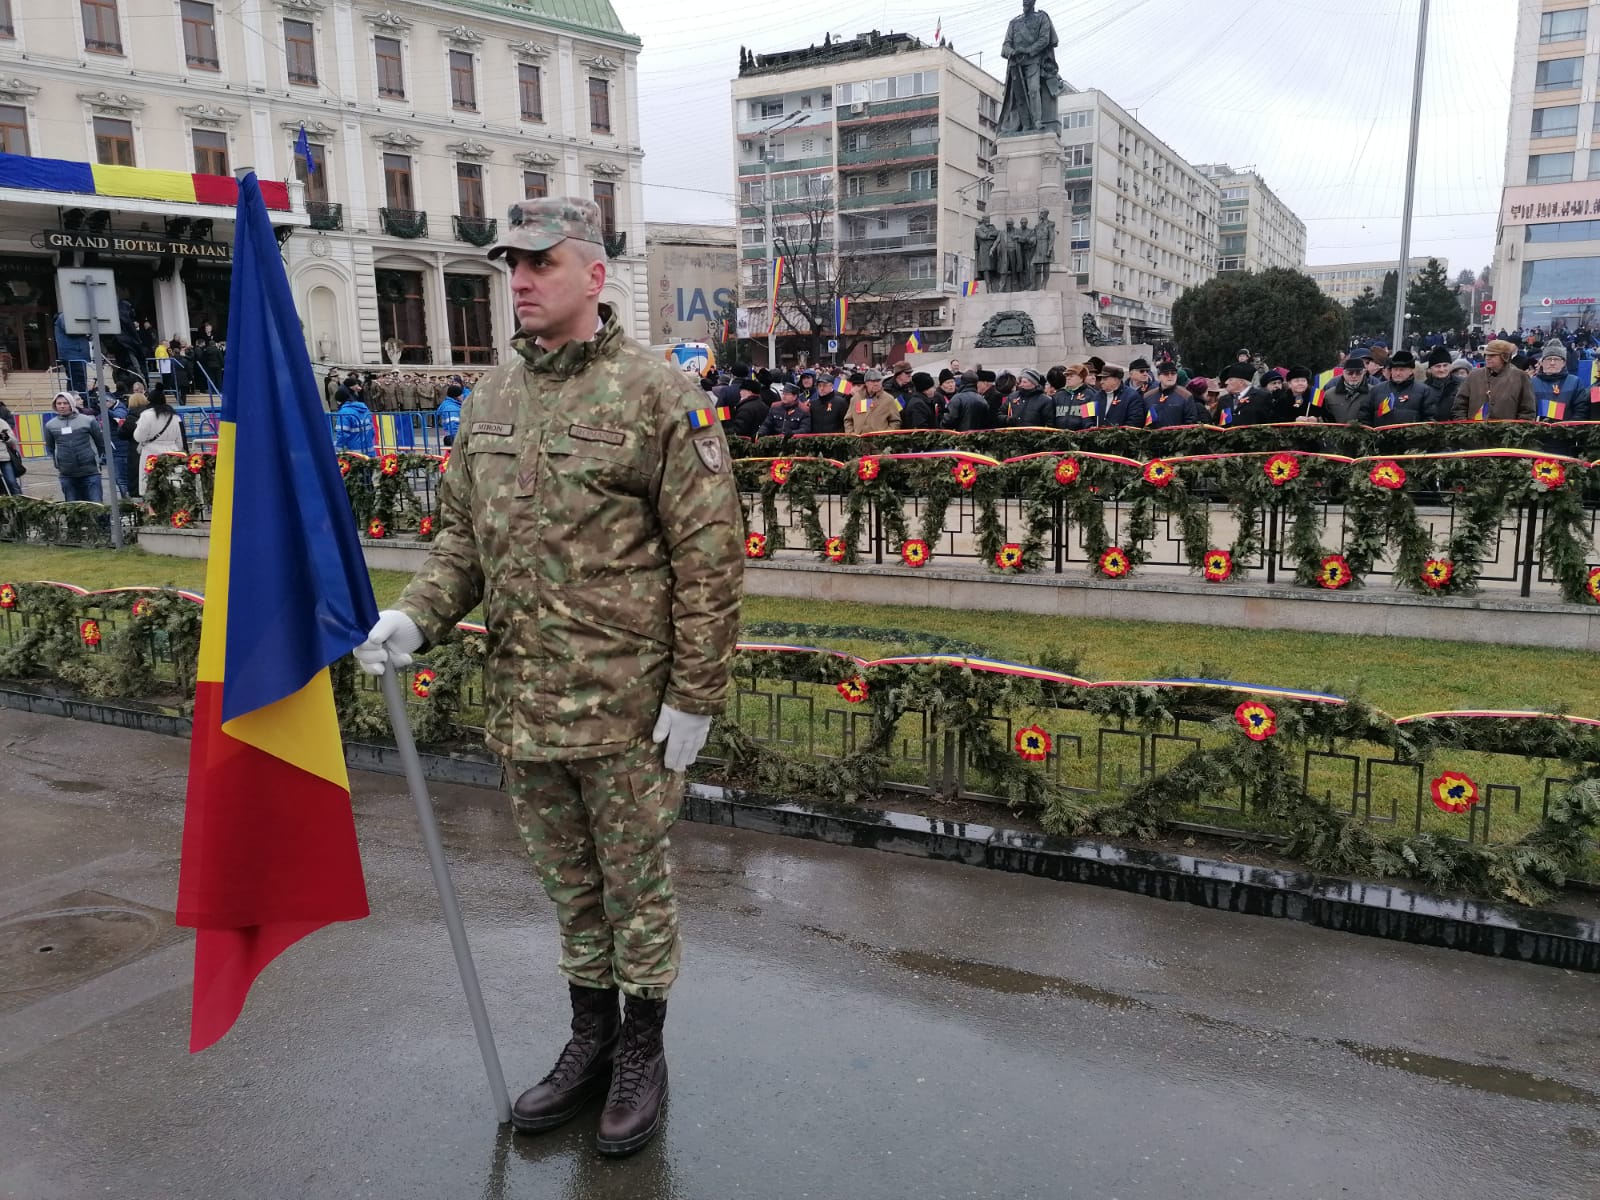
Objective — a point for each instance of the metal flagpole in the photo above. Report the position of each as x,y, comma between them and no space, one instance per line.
1403,279
447,891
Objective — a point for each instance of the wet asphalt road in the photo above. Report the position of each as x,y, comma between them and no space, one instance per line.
849,1024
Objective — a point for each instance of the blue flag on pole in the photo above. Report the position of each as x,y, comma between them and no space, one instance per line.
302,147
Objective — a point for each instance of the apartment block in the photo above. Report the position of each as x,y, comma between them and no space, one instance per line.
1256,231
1345,281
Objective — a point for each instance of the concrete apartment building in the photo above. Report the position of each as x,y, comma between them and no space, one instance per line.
898,144
1547,257
1345,281
1256,231
425,121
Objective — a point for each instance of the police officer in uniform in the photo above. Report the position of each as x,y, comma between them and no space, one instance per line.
599,525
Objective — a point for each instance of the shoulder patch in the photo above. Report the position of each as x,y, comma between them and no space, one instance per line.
711,456
704,418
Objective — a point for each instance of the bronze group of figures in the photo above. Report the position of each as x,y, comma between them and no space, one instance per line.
1014,258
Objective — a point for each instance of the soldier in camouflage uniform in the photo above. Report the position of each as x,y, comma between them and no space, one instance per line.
589,503
873,409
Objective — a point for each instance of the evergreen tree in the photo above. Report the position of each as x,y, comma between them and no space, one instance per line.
1280,313
1372,314
1431,301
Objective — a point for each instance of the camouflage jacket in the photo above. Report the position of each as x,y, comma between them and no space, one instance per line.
602,533
882,413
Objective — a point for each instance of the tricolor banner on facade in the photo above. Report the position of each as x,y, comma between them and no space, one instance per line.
269,845
134,183
841,314
778,264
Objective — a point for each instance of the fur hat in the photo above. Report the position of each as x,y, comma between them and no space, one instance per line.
1298,373
1439,356
1139,364
1238,371
921,381
1501,347
1403,358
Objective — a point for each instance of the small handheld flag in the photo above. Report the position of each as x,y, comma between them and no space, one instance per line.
1386,406
302,147
1552,410
1091,410
1483,413
1225,417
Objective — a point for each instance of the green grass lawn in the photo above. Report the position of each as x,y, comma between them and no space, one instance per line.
1399,675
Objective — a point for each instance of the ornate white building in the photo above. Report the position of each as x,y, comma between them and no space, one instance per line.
424,122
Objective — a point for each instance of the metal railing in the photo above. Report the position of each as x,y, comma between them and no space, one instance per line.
325,214
404,222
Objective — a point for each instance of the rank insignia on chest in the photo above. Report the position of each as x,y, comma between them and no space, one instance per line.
711,456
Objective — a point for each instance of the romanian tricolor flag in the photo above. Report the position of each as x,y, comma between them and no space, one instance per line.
914,342
702,418
137,183
1225,417
778,264
970,287
269,842
841,314
1386,406
1552,410
1483,413
1091,410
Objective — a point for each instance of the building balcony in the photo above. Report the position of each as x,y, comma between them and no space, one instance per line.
909,151
325,214
404,222
475,231
883,199
882,245
873,109
1078,173
897,286
749,169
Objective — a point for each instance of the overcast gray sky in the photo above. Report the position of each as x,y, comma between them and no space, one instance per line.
1314,94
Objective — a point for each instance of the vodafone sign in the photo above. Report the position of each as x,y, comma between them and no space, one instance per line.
1486,309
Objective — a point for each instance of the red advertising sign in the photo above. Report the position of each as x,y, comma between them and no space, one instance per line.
1486,309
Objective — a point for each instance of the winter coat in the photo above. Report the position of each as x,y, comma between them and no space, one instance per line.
1066,408
1253,406
1175,407
1125,408
159,431
76,445
1509,396
70,347
1444,396
449,419
967,411
827,413
1409,403
747,417
920,412
1343,406
352,427
867,415
1028,410
784,422
1562,389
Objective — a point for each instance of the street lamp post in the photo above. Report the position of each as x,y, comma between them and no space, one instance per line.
783,123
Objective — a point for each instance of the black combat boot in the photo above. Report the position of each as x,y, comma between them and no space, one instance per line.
581,1070
638,1081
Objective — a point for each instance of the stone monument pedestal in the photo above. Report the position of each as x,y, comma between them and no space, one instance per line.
1027,178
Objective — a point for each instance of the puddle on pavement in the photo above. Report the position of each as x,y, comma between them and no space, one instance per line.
75,785
1520,1085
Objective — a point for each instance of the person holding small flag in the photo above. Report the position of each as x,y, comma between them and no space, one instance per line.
1496,391
1348,400
873,409
1557,394
600,528
1404,399
1167,404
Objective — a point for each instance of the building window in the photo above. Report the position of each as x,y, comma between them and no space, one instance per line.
919,223
316,181
13,129
1594,163
1568,25
1567,231
927,318
300,51
1081,155
535,185
1081,119
471,342
761,109
7,28
101,33
397,180
605,195
200,35
805,101
923,268
390,68
469,189
1550,168
530,95
923,179
113,142
599,105
463,90
1561,121
210,152
855,185
1558,74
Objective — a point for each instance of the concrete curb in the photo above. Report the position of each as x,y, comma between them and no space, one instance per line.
1371,910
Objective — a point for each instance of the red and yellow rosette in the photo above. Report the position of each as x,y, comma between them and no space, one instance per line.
444,462
1334,572
142,607
834,549
1159,473
182,519
150,463
8,596
965,473
389,464
1114,563
780,470
1592,585
1548,473
1033,744
1257,720
1437,572
1218,566
344,466
755,546
867,469
197,463
1068,470
1009,556
854,690
89,632
376,529
1454,793
425,526
422,682
1281,468
1388,475
915,553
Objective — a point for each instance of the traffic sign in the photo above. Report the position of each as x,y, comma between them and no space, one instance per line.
833,345
1487,308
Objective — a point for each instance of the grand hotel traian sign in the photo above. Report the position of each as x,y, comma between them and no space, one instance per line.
137,243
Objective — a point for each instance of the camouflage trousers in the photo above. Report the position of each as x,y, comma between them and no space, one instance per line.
596,829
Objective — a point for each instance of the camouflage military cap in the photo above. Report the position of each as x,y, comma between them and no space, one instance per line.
540,224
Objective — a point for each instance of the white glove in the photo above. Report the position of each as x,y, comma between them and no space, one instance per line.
684,734
389,643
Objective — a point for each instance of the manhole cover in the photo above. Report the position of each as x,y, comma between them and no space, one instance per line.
73,939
